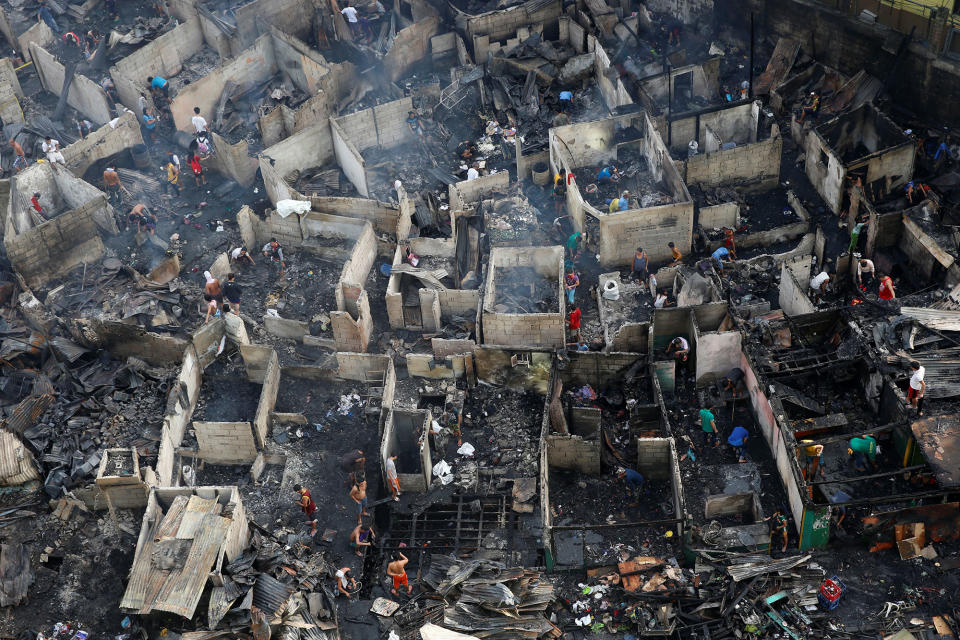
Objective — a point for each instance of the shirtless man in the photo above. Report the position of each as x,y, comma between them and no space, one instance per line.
362,536
397,570
358,493
20,161
111,180
345,582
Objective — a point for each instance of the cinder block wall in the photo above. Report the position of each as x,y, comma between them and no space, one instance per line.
756,163
524,329
473,190
364,254
598,369
502,23
384,125
164,57
225,442
353,333
86,96
793,294
247,70
459,302
57,246
651,228
268,400
573,452
654,460
102,143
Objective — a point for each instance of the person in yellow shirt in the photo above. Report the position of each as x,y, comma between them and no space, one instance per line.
677,256
811,459
173,178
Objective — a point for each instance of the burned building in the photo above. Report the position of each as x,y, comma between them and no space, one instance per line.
483,320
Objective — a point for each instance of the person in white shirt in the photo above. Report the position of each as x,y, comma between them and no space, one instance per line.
865,266
818,285
917,388
199,123
661,300
350,13
51,147
345,582
680,347
472,173
240,255
142,103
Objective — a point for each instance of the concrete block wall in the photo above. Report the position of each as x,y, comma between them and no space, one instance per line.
573,452
459,302
233,160
597,369
10,110
206,341
164,57
293,17
353,333
310,147
524,329
268,400
717,353
86,96
505,22
472,191
387,218
287,231
654,459
247,70
364,254
423,365
384,125
124,340
631,337
349,158
55,247
443,348
409,46
793,293
39,34
651,228
755,163
225,442
113,137
720,215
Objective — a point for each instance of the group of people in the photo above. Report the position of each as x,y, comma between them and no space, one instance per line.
864,275
221,298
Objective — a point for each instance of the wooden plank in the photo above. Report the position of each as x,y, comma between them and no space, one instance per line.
941,256
140,574
784,55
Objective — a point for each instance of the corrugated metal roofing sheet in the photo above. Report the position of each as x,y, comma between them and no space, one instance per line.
270,595
17,465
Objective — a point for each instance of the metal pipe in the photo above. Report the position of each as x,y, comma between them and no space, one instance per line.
579,527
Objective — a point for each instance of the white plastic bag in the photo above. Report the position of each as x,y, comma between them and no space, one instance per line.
286,207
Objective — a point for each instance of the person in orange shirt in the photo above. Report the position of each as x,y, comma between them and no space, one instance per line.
886,288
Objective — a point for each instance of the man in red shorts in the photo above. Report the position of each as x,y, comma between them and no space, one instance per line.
308,506
396,570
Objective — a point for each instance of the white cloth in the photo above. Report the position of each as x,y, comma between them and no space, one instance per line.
472,174
861,269
683,343
50,147
236,253
391,468
342,577
350,13
209,277
917,378
817,281
56,156
199,123
142,104
659,302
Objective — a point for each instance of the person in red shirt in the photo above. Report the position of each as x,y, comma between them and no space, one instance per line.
573,322
35,201
308,506
197,170
730,243
886,288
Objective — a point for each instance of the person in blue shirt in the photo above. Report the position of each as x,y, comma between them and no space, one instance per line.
606,175
633,479
942,149
159,84
566,101
719,256
738,440
47,17
149,125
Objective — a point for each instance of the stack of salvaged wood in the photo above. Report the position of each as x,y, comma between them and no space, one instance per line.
487,599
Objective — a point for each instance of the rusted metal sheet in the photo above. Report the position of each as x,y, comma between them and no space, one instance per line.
858,90
26,414
784,55
17,465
